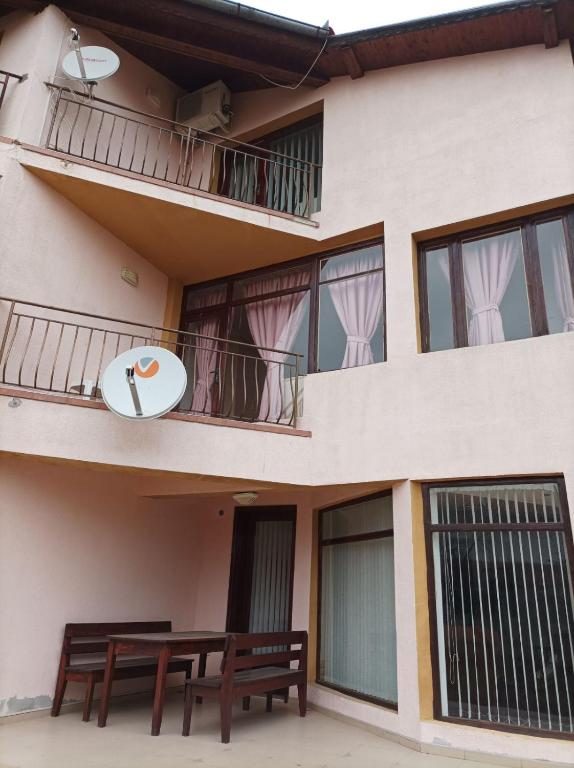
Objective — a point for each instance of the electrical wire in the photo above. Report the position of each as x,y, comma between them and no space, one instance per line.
305,76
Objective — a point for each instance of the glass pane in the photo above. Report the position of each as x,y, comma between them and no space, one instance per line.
258,383
362,517
291,278
271,577
352,262
290,187
483,504
351,331
439,300
504,608
202,361
495,289
555,276
358,637
205,297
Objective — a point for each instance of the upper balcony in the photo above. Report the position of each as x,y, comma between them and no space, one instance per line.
141,145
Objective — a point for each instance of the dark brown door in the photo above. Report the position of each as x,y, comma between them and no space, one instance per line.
261,576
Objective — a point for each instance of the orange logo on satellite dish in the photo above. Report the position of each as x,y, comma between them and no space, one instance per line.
146,367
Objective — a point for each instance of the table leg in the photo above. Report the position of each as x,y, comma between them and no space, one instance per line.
201,672
107,684
159,695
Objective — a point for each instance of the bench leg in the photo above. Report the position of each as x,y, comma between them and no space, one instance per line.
225,704
60,690
201,672
302,693
107,685
91,684
269,702
187,708
246,703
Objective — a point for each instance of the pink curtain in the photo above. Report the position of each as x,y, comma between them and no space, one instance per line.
359,305
205,353
563,286
488,266
274,324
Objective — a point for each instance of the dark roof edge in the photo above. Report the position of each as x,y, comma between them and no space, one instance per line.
348,38
246,12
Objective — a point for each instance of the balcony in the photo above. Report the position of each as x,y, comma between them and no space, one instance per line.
57,352
136,143
7,79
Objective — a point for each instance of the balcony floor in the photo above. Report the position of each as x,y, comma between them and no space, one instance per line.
257,739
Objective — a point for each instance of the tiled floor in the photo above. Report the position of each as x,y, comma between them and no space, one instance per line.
280,739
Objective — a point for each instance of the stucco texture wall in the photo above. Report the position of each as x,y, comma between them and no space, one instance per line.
79,545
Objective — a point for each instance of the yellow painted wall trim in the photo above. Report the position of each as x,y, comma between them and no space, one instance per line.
421,605
173,298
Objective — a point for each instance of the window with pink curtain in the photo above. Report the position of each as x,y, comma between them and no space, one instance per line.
274,324
201,357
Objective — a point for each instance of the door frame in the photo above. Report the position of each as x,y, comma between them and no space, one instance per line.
242,559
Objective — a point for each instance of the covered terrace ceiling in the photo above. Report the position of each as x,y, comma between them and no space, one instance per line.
194,42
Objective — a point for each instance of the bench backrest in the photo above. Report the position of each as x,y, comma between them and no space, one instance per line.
87,637
239,652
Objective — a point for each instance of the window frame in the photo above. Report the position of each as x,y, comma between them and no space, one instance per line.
314,261
532,268
321,542
565,527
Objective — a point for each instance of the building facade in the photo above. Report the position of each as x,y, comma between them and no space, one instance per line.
370,280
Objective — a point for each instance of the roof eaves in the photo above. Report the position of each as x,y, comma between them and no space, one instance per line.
255,15
349,38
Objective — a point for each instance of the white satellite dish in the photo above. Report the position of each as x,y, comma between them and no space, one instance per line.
144,383
90,63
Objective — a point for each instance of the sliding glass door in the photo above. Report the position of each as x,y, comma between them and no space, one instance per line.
357,596
501,566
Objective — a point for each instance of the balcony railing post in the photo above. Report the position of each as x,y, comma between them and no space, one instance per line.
296,396
53,119
310,188
6,331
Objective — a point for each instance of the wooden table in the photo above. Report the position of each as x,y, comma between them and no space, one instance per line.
161,645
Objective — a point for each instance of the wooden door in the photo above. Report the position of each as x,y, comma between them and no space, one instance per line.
262,565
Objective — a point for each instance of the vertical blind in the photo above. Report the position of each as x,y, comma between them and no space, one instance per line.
291,188
358,637
504,605
271,580
288,184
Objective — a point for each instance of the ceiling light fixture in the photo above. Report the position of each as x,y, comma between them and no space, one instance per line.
245,498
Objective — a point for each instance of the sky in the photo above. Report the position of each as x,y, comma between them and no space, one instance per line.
350,15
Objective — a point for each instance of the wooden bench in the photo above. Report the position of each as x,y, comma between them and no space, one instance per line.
244,673
87,639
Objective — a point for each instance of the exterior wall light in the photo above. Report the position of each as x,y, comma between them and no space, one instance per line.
246,498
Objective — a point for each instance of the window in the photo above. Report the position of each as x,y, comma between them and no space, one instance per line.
285,177
274,307
357,647
504,283
501,584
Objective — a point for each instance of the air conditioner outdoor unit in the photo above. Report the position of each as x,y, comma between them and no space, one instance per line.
205,109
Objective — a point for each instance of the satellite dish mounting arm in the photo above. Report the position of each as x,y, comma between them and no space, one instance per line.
134,391
78,51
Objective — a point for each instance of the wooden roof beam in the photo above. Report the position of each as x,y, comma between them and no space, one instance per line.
124,32
352,63
550,27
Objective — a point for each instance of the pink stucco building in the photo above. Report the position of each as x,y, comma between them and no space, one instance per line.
370,281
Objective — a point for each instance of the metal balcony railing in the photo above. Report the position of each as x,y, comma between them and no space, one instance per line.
5,78
64,352
104,132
